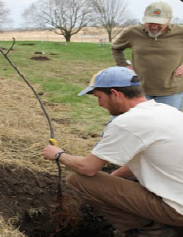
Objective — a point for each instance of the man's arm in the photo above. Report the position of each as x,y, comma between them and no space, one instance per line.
88,165
118,48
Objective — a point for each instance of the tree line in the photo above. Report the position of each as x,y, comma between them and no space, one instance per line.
68,17
4,13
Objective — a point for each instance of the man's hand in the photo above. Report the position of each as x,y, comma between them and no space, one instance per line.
179,71
123,172
130,67
50,151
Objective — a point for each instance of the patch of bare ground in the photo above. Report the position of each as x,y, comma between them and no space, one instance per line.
40,58
38,52
28,44
28,187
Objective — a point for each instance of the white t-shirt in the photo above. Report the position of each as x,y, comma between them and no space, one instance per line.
149,139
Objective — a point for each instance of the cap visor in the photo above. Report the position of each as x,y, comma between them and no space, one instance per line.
86,90
156,20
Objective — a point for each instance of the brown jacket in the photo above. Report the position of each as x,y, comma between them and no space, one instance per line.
154,60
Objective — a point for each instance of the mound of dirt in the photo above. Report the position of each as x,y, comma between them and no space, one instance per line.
29,44
40,58
25,194
38,52
28,199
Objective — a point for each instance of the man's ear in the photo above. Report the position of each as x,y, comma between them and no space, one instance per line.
169,20
116,93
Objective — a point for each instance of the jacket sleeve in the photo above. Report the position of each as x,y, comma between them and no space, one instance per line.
118,47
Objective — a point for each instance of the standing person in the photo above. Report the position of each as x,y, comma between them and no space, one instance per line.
145,139
157,54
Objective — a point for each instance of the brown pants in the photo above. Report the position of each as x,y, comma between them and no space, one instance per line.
124,203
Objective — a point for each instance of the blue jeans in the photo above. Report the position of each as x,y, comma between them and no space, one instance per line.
175,100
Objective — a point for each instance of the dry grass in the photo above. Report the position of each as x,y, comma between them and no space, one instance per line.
7,230
24,130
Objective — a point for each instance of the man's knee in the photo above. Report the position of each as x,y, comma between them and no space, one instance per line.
82,183
71,179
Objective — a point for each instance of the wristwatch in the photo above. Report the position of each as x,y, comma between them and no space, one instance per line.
57,156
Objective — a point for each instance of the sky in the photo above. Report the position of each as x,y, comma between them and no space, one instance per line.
136,7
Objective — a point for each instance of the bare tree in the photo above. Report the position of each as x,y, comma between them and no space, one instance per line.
130,22
110,14
177,21
64,17
4,16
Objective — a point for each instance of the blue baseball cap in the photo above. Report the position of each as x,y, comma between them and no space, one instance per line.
111,77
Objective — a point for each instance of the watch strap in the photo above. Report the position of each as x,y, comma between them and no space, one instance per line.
58,155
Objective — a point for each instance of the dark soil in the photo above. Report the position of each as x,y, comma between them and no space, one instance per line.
38,53
29,198
40,58
40,93
28,44
32,196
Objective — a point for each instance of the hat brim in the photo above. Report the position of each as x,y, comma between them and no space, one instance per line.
87,90
156,20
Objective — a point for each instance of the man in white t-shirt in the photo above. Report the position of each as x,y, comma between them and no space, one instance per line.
145,139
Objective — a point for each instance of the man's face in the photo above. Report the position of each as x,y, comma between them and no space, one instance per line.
108,102
154,30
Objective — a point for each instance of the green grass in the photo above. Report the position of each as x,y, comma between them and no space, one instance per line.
63,76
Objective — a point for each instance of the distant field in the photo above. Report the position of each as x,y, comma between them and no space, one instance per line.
87,34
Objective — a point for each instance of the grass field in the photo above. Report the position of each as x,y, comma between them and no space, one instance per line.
61,78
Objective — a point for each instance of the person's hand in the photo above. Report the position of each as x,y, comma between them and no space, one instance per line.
50,151
123,172
130,67
116,172
179,71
